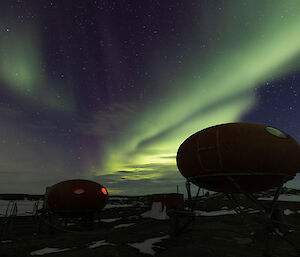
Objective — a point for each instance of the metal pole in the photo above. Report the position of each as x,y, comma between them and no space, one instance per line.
249,195
188,189
195,200
236,205
275,200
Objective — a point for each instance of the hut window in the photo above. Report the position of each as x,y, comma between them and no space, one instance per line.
103,190
78,190
276,132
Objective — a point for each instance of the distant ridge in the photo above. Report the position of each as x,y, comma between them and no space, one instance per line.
285,190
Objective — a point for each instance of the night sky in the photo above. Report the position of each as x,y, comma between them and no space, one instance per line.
108,90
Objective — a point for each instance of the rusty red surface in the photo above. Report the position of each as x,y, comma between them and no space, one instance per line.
239,148
76,195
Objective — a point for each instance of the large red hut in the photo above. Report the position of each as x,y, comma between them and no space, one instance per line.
257,157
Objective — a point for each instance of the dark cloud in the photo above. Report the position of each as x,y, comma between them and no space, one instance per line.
153,166
160,179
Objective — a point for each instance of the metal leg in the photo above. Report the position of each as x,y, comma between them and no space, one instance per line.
180,220
272,214
188,189
275,200
195,200
235,202
262,207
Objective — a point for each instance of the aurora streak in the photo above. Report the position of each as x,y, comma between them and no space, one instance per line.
193,103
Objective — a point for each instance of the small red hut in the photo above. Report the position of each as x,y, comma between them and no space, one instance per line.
169,201
77,195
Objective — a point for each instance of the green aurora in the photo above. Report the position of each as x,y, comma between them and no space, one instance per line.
244,46
263,51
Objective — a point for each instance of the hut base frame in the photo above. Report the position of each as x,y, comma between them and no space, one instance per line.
269,213
51,221
266,211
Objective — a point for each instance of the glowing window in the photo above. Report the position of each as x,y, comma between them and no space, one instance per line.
103,190
276,132
78,190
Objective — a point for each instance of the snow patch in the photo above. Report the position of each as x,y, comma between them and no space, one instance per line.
118,198
288,212
123,225
221,212
283,197
133,217
156,212
110,220
99,243
6,241
214,213
48,250
243,240
141,204
146,246
108,206
278,232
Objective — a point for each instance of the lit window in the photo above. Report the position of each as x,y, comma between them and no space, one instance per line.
276,132
78,190
103,190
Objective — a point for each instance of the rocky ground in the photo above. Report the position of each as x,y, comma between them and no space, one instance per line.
122,231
